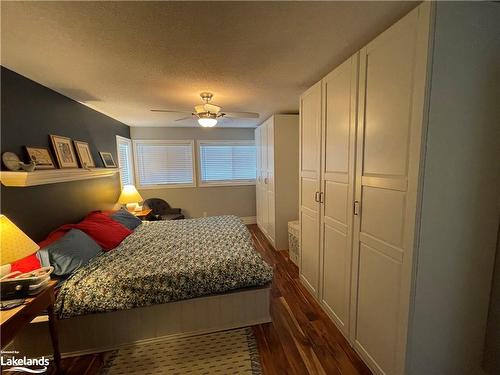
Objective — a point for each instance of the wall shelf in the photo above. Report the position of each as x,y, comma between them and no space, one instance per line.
52,176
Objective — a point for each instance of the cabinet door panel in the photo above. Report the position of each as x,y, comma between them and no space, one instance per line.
310,147
337,181
258,150
391,92
309,242
271,225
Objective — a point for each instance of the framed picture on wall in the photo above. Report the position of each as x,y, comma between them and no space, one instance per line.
41,156
108,160
63,149
84,155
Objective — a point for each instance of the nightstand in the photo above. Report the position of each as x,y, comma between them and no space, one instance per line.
13,320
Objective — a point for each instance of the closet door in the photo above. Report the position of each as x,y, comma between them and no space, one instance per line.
270,182
392,84
337,184
258,197
310,148
263,172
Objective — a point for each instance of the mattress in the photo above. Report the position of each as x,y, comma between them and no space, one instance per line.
165,261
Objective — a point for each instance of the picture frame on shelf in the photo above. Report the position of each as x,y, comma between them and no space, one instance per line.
84,155
41,156
63,149
108,160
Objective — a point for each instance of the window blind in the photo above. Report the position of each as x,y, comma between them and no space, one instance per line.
227,162
125,161
164,163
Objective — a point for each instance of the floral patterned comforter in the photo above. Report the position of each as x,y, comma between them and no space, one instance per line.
164,261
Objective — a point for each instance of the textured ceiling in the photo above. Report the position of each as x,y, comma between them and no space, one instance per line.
123,58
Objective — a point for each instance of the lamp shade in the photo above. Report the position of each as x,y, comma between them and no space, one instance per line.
14,244
129,195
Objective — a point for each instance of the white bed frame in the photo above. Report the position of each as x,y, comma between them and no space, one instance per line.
107,331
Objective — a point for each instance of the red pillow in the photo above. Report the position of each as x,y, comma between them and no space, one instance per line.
30,263
104,230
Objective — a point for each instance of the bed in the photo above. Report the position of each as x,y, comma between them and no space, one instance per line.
167,278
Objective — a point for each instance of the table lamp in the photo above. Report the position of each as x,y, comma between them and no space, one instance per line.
14,245
130,197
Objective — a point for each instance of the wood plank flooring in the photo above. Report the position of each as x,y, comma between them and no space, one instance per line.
301,339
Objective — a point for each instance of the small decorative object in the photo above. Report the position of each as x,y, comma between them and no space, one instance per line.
107,159
84,155
13,163
63,149
130,197
41,156
30,167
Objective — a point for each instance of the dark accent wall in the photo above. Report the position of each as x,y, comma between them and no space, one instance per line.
29,113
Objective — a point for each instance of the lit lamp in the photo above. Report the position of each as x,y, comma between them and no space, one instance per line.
207,120
130,197
14,245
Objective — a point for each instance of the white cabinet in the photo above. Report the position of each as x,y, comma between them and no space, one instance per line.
337,189
372,135
277,141
310,146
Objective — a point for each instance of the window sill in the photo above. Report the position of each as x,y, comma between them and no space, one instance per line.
219,184
165,186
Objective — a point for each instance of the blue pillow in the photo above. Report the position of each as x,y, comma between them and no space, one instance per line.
126,219
73,250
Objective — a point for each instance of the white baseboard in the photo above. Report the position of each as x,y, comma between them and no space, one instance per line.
249,220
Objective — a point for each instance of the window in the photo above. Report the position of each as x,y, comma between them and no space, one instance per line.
125,163
164,163
227,162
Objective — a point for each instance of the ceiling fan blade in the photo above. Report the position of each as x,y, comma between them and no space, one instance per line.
241,114
184,118
168,111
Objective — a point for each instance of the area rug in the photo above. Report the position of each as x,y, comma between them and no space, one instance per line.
227,352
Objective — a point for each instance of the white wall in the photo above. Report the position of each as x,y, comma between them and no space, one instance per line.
197,201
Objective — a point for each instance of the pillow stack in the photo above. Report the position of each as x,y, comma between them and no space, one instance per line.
73,245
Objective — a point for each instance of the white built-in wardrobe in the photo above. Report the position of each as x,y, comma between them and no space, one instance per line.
399,183
277,145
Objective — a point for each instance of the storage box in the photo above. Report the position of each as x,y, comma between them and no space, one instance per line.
294,241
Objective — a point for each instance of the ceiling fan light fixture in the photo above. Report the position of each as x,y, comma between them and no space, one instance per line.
207,122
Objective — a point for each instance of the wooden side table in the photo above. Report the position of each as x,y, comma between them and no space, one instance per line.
13,320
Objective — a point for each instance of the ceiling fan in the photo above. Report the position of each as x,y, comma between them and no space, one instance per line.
207,113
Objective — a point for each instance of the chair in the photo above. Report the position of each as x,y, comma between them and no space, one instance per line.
161,210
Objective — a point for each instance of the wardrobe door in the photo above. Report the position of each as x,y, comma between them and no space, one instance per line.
258,151
392,83
263,166
337,184
310,148
270,182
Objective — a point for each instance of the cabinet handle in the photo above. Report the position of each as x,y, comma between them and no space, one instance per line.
316,197
321,197
356,208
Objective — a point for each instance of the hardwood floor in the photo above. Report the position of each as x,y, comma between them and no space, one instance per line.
301,339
